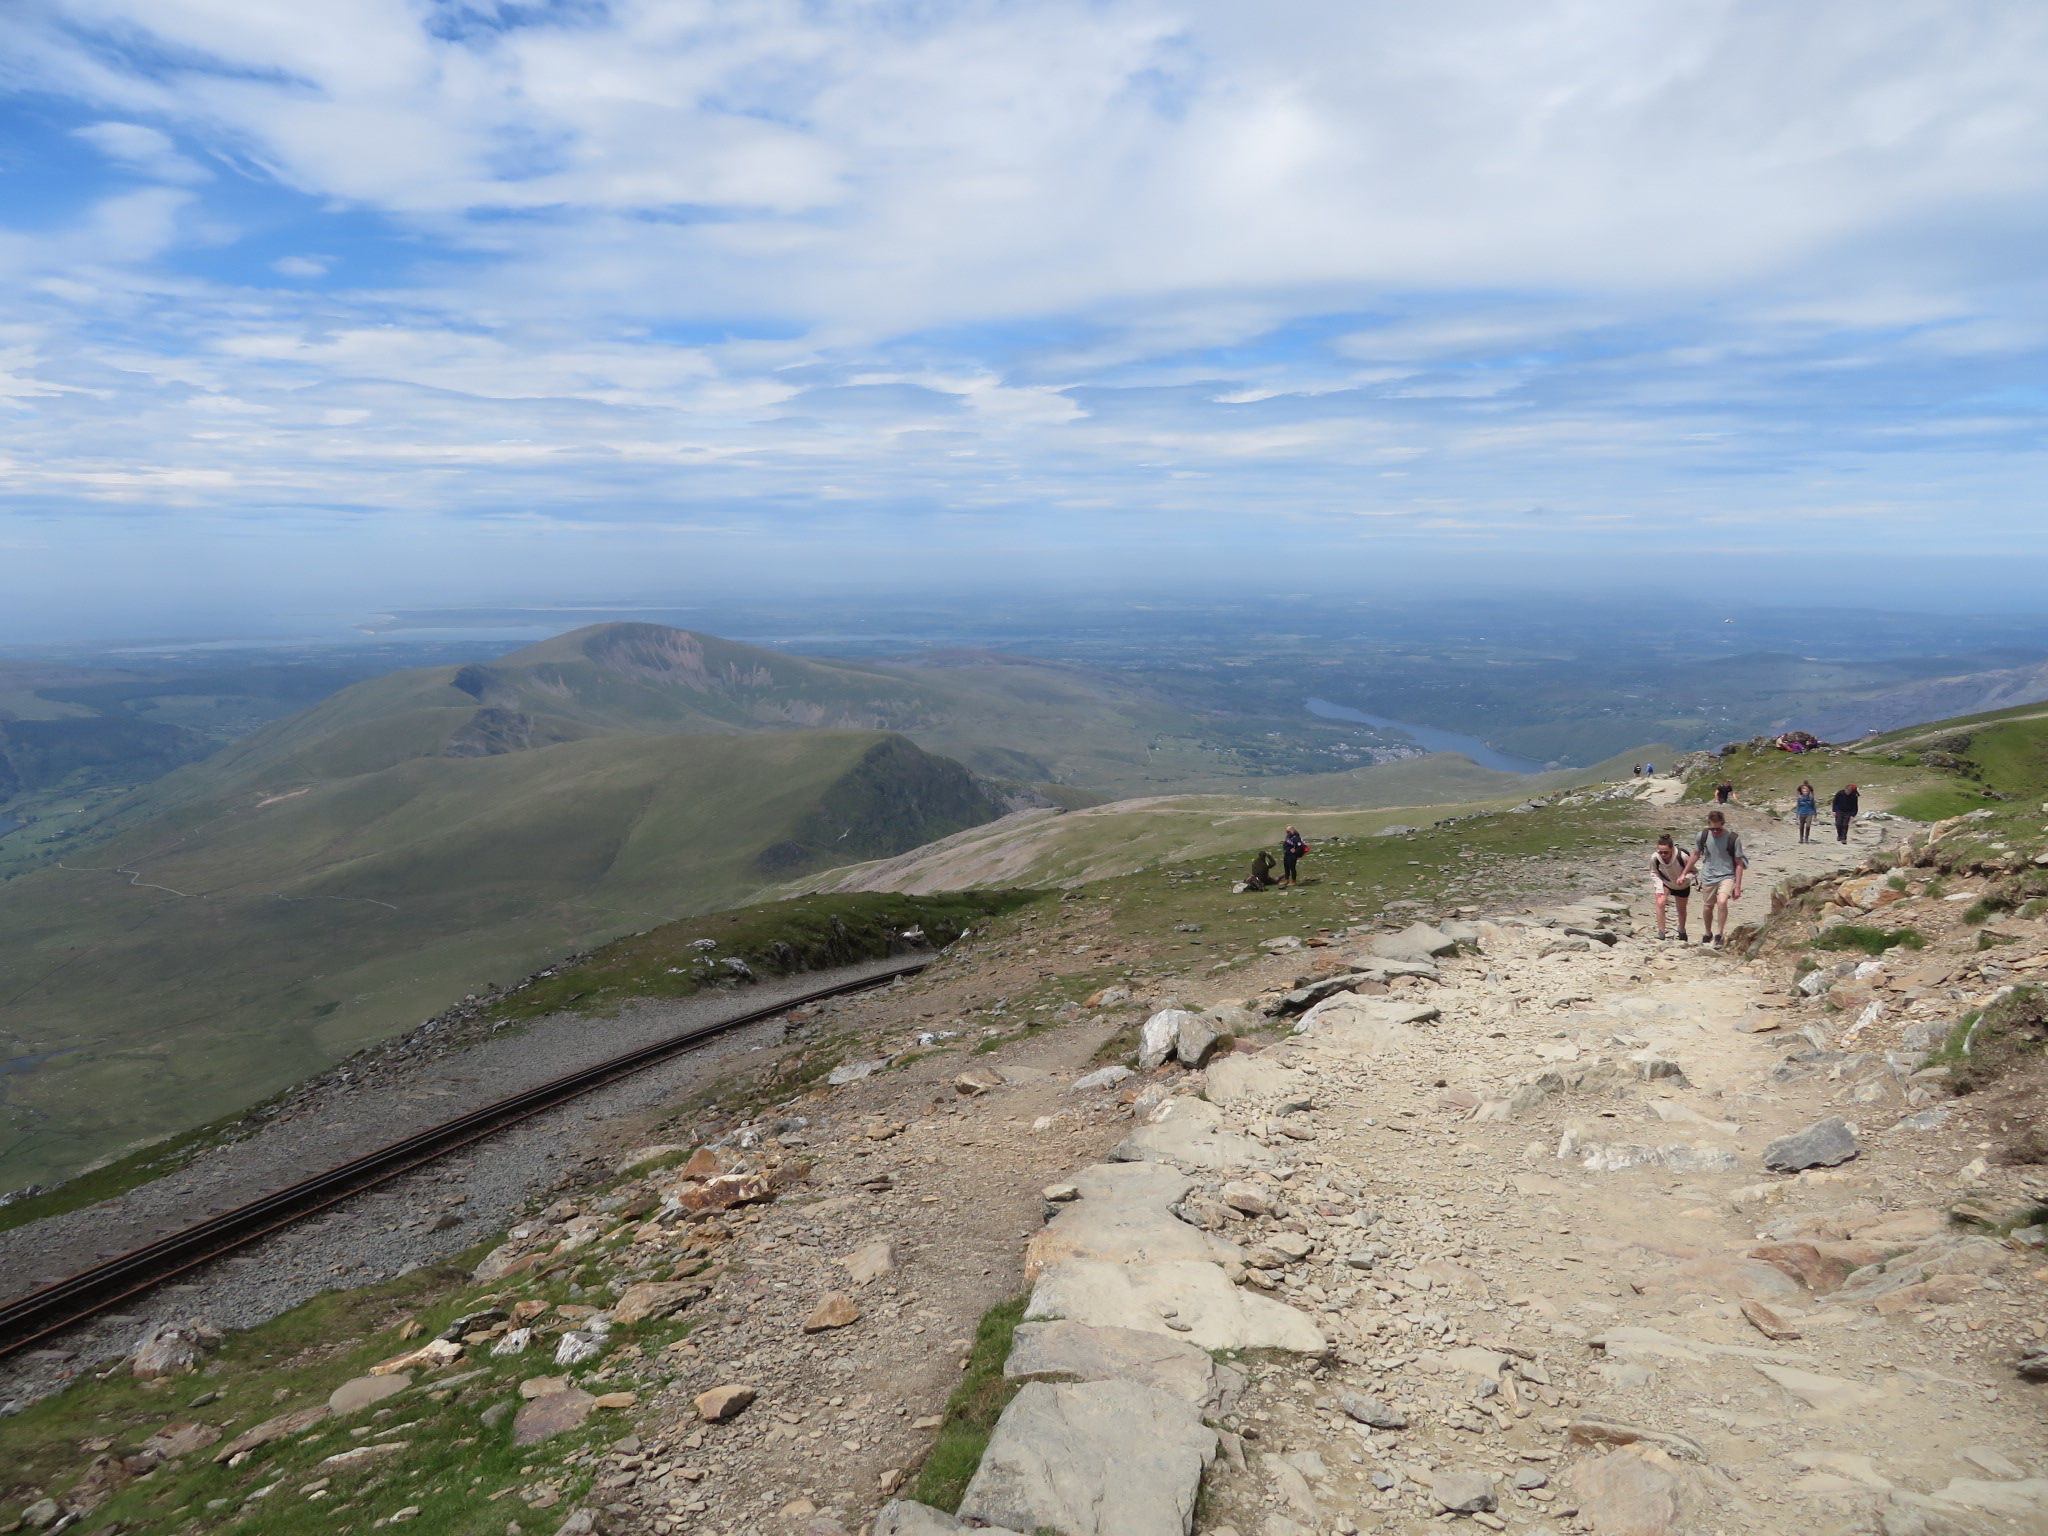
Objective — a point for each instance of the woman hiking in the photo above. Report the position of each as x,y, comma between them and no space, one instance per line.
1292,847
1806,807
1667,873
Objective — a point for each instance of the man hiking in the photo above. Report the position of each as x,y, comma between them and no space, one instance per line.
1718,861
1262,872
1292,847
1667,877
1846,804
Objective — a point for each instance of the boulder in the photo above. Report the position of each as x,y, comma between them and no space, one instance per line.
1160,1361
1821,1145
168,1349
1463,1490
1347,1011
554,1414
866,1265
1092,1458
1211,1312
1124,1215
722,1403
832,1311
1156,1040
1418,941
1372,1412
1105,1077
354,1396
282,1427
654,1298
1195,1038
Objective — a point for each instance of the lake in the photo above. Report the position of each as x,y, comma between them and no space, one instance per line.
1429,736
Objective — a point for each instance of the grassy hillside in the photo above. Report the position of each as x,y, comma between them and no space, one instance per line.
1046,848
234,946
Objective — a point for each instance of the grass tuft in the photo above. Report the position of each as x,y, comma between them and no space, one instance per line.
971,1412
1984,1046
1872,941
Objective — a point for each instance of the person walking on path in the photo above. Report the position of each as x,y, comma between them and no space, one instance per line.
1719,860
1847,803
1667,874
1292,847
1806,807
1724,793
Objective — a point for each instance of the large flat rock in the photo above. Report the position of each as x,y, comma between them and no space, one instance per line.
1092,1458
1123,1215
1214,1314
1348,1010
1160,1361
1189,1133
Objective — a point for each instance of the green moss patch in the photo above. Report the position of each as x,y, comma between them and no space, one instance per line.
1985,1046
971,1412
1871,941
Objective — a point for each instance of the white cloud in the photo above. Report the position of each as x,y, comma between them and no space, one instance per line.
143,150
301,266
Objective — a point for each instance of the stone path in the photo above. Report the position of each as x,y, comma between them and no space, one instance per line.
1497,1245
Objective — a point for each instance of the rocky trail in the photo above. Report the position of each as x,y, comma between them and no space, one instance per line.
1517,1219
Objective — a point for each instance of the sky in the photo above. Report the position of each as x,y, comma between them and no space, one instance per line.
384,301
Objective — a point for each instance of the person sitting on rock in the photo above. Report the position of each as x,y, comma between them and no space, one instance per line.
1262,872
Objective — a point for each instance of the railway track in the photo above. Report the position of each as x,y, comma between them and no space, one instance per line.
56,1307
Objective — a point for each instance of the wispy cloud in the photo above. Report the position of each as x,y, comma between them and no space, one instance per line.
1098,262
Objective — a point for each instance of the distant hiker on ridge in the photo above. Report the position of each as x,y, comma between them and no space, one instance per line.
1292,847
1846,805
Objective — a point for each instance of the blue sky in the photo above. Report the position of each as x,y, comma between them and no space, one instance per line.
388,300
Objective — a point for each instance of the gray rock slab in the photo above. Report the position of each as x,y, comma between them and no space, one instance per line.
1156,1039
1821,1145
1349,1010
1123,1214
1463,1490
354,1396
902,1517
1418,941
1210,1311
1093,1458
1236,1077
1189,1132
1160,1361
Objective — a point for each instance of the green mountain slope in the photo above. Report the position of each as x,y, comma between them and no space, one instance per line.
235,945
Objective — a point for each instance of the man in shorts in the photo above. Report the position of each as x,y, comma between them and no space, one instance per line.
1718,861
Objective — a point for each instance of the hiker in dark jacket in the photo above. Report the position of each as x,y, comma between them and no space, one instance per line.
1292,847
1845,806
1262,872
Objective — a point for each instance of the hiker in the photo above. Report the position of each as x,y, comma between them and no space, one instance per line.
1667,873
1724,793
1262,872
1718,859
1636,772
1847,803
1292,847
1649,770
1806,807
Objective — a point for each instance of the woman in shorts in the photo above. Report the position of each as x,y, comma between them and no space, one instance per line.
1667,871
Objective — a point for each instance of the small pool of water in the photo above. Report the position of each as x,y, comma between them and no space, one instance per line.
8,824
1429,736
